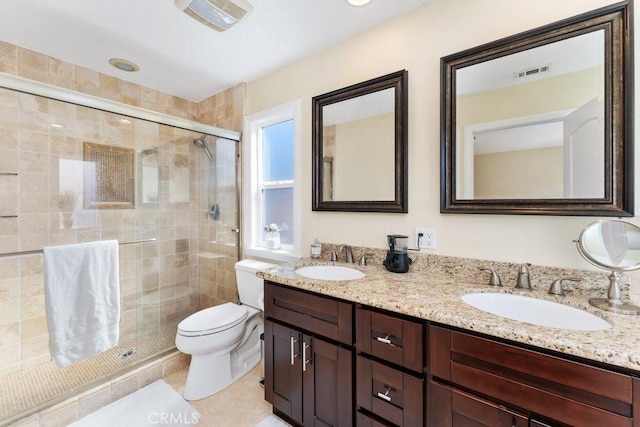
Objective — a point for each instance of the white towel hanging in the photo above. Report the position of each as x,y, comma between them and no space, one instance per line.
82,299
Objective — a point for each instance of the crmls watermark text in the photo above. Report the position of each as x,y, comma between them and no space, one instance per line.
171,418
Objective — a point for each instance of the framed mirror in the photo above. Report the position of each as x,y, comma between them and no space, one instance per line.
542,122
360,147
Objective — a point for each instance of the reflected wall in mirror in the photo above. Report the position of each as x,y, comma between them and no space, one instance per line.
359,147
541,122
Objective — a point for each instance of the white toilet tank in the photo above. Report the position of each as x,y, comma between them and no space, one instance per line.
250,287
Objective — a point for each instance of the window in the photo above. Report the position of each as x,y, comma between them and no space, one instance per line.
272,174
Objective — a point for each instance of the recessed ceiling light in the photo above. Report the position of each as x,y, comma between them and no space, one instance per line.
358,2
124,65
125,121
56,125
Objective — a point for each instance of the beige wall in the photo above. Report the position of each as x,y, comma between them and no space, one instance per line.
416,41
527,174
524,100
364,159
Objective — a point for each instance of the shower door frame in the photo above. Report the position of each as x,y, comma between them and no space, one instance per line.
20,84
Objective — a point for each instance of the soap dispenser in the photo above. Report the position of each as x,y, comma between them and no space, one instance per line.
316,248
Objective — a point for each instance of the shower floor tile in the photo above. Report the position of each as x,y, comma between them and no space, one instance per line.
28,389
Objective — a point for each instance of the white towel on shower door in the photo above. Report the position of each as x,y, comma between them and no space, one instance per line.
82,299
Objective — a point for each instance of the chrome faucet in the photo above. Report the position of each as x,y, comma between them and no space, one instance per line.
524,282
348,253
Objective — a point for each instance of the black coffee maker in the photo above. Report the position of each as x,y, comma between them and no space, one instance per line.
397,260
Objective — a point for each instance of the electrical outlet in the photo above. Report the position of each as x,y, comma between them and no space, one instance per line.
428,239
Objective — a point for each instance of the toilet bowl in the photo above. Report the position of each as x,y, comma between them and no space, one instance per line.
224,341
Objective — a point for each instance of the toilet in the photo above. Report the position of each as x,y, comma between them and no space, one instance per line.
224,341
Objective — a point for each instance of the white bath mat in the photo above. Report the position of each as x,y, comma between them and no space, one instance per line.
155,404
272,421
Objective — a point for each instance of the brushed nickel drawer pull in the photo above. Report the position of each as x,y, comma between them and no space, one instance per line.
293,350
385,339
305,362
385,396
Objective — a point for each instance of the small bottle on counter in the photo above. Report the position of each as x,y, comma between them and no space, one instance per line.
316,248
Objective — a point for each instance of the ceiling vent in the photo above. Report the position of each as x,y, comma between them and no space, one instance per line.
217,14
532,71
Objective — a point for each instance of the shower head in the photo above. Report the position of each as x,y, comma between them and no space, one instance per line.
202,143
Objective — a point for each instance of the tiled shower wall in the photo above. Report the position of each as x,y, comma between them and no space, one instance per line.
162,281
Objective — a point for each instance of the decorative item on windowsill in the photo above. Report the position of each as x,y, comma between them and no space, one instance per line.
272,236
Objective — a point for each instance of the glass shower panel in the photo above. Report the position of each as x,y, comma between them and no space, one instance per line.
218,242
71,174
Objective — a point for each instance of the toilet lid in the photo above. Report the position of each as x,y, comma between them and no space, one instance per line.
214,319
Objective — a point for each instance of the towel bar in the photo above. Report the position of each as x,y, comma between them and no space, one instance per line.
39,251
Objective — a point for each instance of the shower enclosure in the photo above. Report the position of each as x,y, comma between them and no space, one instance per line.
74,173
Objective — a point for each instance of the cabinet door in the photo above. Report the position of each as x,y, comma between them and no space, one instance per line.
454,408
283,369
327,378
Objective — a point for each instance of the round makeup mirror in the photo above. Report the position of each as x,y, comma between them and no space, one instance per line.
613,245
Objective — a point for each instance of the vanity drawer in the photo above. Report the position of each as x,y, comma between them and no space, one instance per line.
389,393
451,408
363,420
567,391
316,314
391,338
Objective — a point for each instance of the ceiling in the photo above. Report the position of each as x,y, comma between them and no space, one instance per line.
565,56
178,55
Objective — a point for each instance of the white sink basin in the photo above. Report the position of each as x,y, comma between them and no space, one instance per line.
536,311
330,272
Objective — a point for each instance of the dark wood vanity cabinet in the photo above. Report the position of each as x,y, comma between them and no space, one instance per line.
308,357
329,362
389,369
493,383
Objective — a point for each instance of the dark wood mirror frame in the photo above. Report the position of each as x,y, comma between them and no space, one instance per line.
618,200
399,204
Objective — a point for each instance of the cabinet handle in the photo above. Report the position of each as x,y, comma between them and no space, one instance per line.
305,362
293,350
385,396
385,339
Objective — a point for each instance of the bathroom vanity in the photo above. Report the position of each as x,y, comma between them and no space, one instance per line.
405,350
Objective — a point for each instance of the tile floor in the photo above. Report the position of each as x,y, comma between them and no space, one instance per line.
240,405
30,388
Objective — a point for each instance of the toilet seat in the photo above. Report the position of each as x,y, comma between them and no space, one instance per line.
213,320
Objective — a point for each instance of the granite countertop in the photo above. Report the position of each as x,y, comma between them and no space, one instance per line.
435,296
